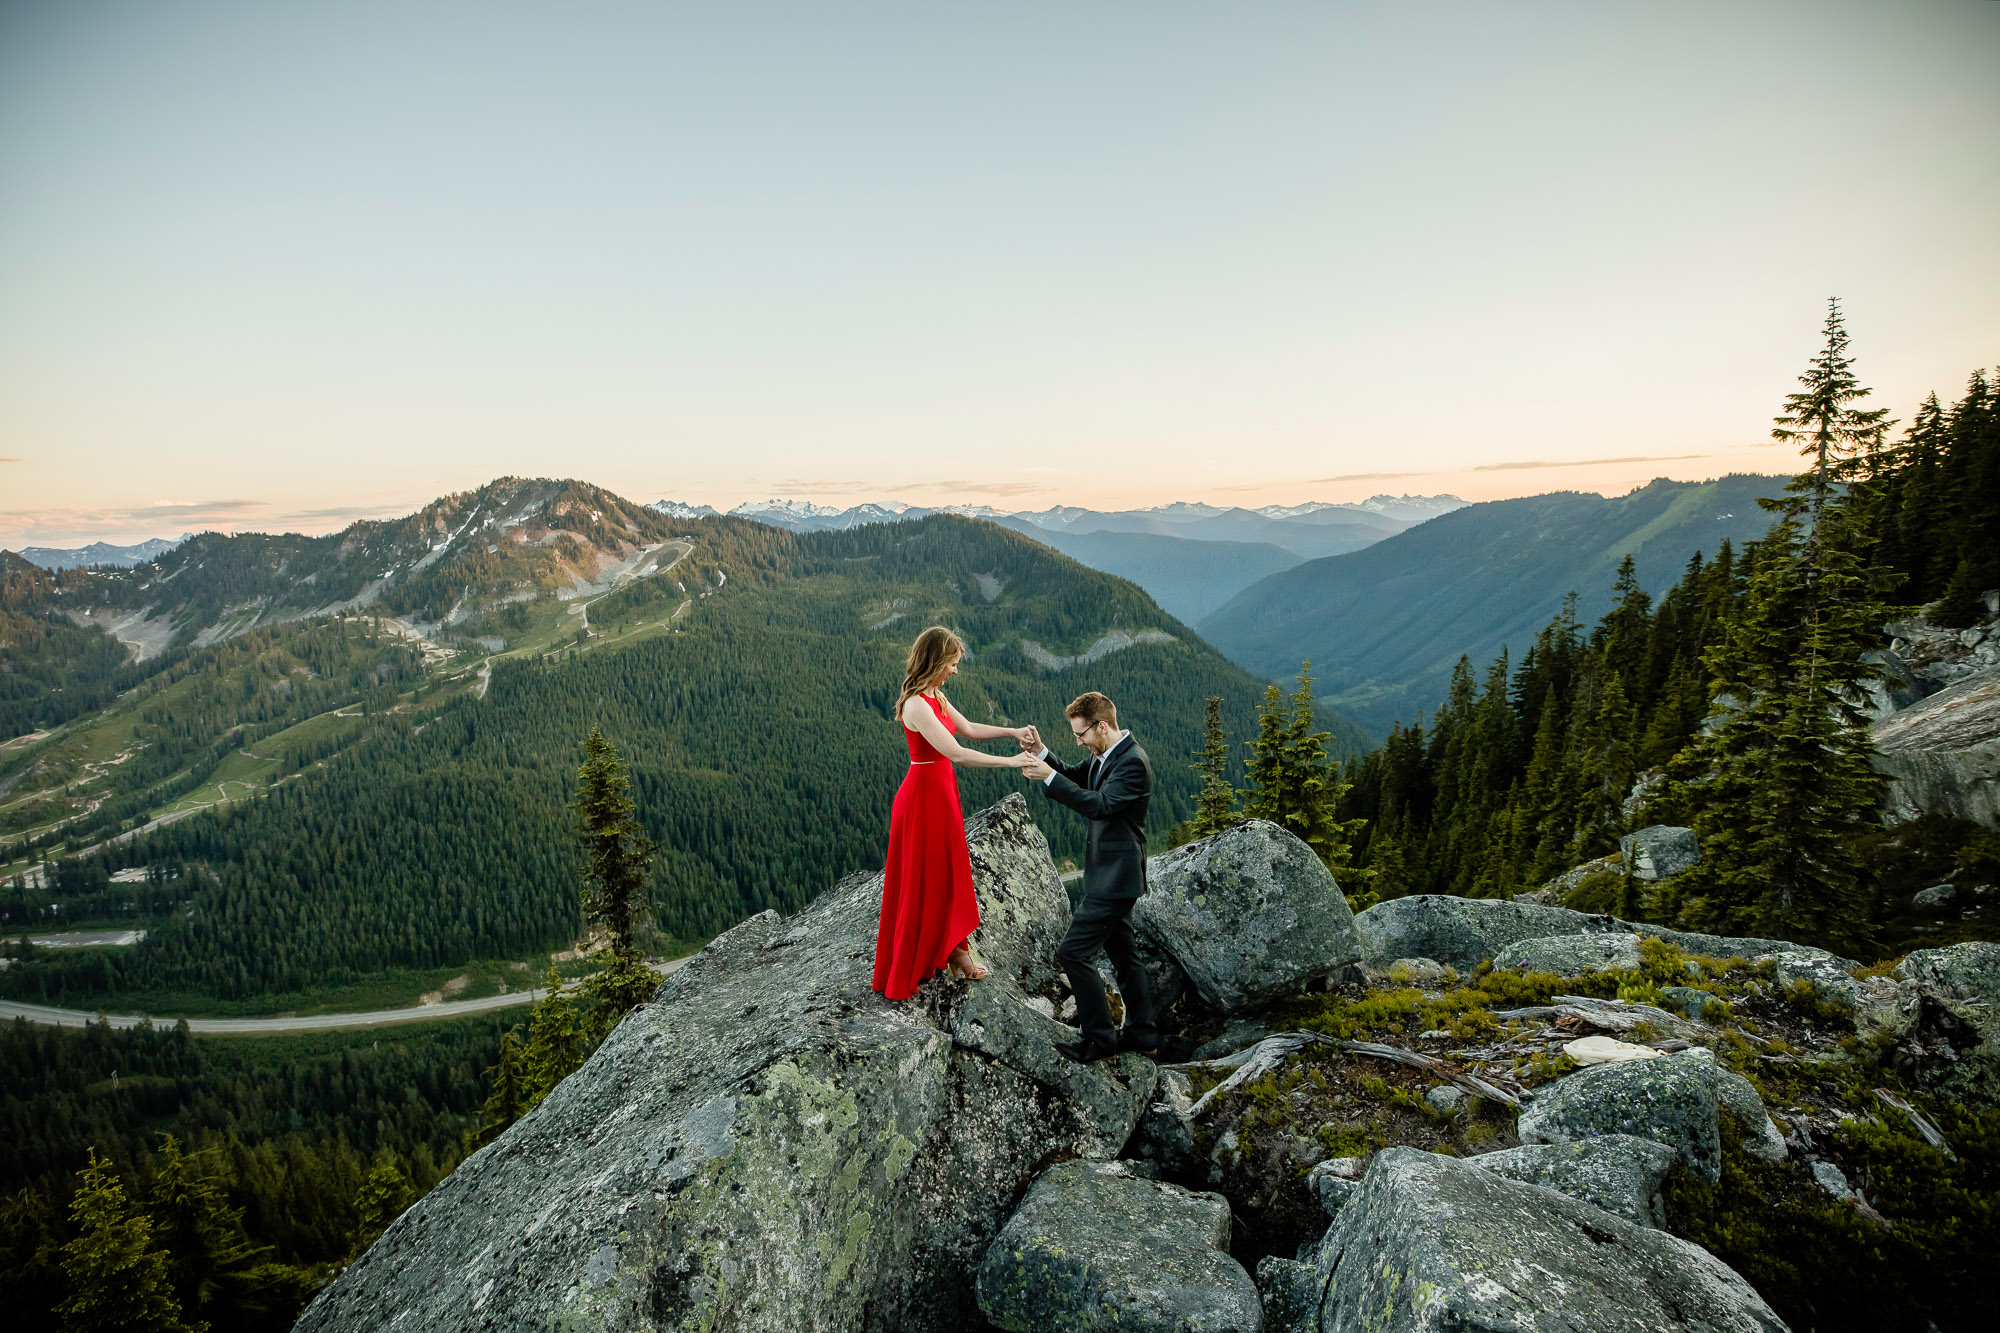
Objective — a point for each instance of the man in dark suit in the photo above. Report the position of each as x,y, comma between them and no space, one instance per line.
1111,789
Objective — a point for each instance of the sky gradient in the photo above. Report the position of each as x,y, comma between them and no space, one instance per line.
281,266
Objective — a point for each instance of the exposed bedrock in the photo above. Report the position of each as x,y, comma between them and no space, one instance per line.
1942,754
1461,932
769,1144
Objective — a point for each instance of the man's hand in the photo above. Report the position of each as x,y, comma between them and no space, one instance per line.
1031,740
1036,771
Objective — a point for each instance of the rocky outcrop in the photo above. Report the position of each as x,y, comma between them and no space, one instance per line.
1619,1173
1462,932
769,1144
1659,851
1250,914
1431,1242
1942,754
1568,955
1672,1100
1099,1245
1943,1017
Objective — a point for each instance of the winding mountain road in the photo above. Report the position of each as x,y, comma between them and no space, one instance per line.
49,1016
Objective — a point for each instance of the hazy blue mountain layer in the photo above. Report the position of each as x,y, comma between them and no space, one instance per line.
1384,625
1187,578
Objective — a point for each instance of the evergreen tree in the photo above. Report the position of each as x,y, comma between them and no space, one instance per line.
119,1280
1820,421
615,849
556,1042
509,1098
384,1196
1782,783
1298,787
211,1257
1215,805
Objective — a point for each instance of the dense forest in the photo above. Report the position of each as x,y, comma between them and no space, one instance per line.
1527,769
257,1165
762,754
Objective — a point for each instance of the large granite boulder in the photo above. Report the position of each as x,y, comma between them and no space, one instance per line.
1465,931
1430,1243
1832,983
1097,1245
1659,851
1620,1173
1673,1100
1945,1017
1250,914
1942,754
769,1144
1569,955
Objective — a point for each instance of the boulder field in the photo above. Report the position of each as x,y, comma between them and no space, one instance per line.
1370,1124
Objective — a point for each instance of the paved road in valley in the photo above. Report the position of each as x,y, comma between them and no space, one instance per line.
421,1013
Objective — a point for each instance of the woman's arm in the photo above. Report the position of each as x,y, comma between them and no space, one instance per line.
980,731
918,717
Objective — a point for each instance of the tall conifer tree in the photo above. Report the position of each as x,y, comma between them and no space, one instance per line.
119,1279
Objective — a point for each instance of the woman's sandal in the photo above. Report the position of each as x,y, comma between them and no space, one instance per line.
962,962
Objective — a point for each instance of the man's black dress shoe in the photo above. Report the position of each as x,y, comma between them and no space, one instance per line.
1148,1049
1086,1051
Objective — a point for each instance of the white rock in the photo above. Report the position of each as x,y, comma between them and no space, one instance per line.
1607,1050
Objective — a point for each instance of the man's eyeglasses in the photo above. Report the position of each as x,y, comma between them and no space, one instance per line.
1079,735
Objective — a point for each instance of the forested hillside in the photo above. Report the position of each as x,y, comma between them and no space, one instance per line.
1384,625
288,1155
432,831
1737,696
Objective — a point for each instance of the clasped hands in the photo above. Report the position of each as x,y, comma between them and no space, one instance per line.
1030,760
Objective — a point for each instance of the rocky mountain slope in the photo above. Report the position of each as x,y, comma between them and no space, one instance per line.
1379,1123
99,553
447,570
1383,626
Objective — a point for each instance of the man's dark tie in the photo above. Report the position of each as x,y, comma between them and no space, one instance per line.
1096,767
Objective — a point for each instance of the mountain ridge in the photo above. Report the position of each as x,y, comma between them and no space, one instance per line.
1384,625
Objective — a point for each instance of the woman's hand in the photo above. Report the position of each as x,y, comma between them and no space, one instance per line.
1031,740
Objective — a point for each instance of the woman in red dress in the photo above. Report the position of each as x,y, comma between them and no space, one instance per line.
928,908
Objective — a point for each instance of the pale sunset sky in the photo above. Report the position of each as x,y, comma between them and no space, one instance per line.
278,266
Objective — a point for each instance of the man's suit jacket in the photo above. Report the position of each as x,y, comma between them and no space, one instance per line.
1114,860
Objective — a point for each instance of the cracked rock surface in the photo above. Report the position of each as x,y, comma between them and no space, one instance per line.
769,1144
1431,1243
1098,1245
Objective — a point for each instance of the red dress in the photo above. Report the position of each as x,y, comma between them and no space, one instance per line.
928,907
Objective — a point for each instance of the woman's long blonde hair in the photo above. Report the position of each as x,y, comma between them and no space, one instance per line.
929,656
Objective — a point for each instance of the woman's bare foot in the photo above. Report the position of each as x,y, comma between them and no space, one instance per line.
962,962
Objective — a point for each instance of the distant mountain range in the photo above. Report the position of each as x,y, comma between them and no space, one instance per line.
1383,626
1190,557
98,553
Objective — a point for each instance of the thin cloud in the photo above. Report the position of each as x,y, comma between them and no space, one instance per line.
9,460
1371,476
1585,462
198,509
346,511
977,487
